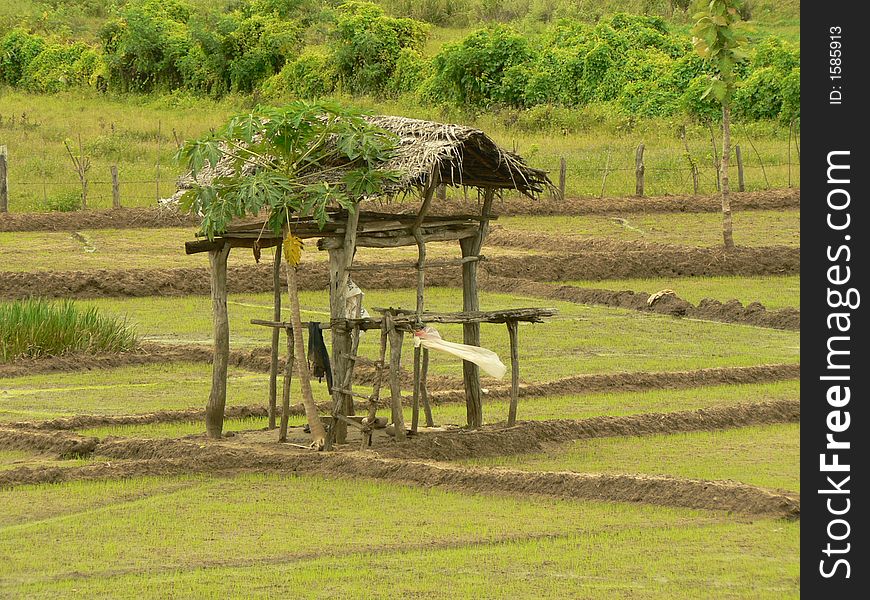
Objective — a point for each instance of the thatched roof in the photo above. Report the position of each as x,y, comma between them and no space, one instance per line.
465,156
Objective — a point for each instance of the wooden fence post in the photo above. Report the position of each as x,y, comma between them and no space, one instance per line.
116,188
741,187
790,127
276,334
4,182
563,175
604,179
639,171
515,373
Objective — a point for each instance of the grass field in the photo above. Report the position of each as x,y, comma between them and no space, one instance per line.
136,132
130,390
774,292
573,406
118,249
764,455
183,537
751,228
601,340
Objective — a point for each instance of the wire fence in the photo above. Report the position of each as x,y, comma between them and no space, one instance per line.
622,171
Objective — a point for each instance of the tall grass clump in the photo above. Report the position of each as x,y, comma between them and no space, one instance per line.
36,327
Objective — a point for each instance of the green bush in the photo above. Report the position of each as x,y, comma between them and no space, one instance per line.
17,49
60,66
310,76
165,45
472,71
367,46
408,75
791,97
34,328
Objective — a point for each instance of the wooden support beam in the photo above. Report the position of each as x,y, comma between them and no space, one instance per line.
406,319
365,241
343,341
197,246
214,411
379,376
396,337
424,390
276,335
450,262
515,372
352,422
288,377
471,302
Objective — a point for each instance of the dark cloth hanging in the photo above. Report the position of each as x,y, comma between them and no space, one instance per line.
318,357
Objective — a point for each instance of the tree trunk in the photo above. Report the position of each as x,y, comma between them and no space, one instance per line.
727,233
217,399
318,433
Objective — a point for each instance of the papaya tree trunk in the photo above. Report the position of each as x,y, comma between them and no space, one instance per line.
727,230
318,433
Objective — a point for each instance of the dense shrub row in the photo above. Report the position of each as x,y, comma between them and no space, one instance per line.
631,63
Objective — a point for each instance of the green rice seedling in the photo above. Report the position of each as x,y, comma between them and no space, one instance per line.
36,327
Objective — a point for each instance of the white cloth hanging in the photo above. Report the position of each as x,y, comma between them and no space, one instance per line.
486,359
353,308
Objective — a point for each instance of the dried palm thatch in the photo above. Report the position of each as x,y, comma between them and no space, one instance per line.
464,156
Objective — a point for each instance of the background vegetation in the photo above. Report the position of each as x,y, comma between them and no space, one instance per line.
549,78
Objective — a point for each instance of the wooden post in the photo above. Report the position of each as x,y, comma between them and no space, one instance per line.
790,126
563,177
379,377
606,171
116,187
415,402
340,259
512,327
639,171
424,390
285,396
214,411
433,186
4,180
158,161
741,187
471,302
276,335
395,383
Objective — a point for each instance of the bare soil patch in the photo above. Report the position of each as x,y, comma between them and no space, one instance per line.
709,309
609,262
129,218
124,218
132,458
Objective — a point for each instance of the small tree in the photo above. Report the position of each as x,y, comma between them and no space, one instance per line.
717,37
284,161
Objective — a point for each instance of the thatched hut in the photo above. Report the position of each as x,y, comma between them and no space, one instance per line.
429,155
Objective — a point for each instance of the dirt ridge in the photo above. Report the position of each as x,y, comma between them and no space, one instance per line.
127,218
533,436
732,311
666,261
659,490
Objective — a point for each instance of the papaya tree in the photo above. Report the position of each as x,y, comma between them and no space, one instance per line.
283,161
718,38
